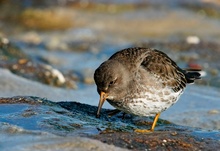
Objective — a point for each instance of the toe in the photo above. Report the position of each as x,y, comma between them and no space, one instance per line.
143,131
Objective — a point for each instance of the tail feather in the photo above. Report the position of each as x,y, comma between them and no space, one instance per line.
192,75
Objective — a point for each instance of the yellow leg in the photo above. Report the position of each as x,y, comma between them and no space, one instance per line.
152,127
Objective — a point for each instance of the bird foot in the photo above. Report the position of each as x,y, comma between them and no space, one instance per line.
143,131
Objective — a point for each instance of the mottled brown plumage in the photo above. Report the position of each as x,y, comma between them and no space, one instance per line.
141,81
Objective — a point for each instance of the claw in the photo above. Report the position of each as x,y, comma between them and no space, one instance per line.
152,127
143,131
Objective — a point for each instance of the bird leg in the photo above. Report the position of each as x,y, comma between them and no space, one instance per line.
152,127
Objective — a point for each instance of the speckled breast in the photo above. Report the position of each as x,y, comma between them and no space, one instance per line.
147,103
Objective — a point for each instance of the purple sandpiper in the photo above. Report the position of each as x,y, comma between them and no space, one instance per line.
141,81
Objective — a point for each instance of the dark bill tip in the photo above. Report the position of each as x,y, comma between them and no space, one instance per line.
97,115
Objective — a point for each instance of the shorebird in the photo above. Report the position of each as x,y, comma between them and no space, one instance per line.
141,81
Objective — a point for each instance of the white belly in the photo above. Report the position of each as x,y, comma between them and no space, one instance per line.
148,103
152,104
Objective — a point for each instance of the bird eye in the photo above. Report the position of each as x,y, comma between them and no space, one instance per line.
112,82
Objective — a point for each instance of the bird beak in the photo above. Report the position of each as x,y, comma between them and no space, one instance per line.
103,97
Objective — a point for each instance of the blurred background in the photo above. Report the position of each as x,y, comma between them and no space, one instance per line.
50,48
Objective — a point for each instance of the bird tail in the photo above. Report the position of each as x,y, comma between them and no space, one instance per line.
192,75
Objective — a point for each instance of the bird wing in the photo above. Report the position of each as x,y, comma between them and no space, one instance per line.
163,68
159,65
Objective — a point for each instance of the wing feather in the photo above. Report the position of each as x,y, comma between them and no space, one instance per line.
160,65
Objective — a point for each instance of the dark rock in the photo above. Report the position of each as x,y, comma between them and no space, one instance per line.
159,140
75,119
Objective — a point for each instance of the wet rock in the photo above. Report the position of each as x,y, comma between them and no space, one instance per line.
213,111
19,63
192,40
159,140
31,38
10,52
39,118
38,72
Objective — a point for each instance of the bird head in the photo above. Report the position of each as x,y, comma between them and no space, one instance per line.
111,78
